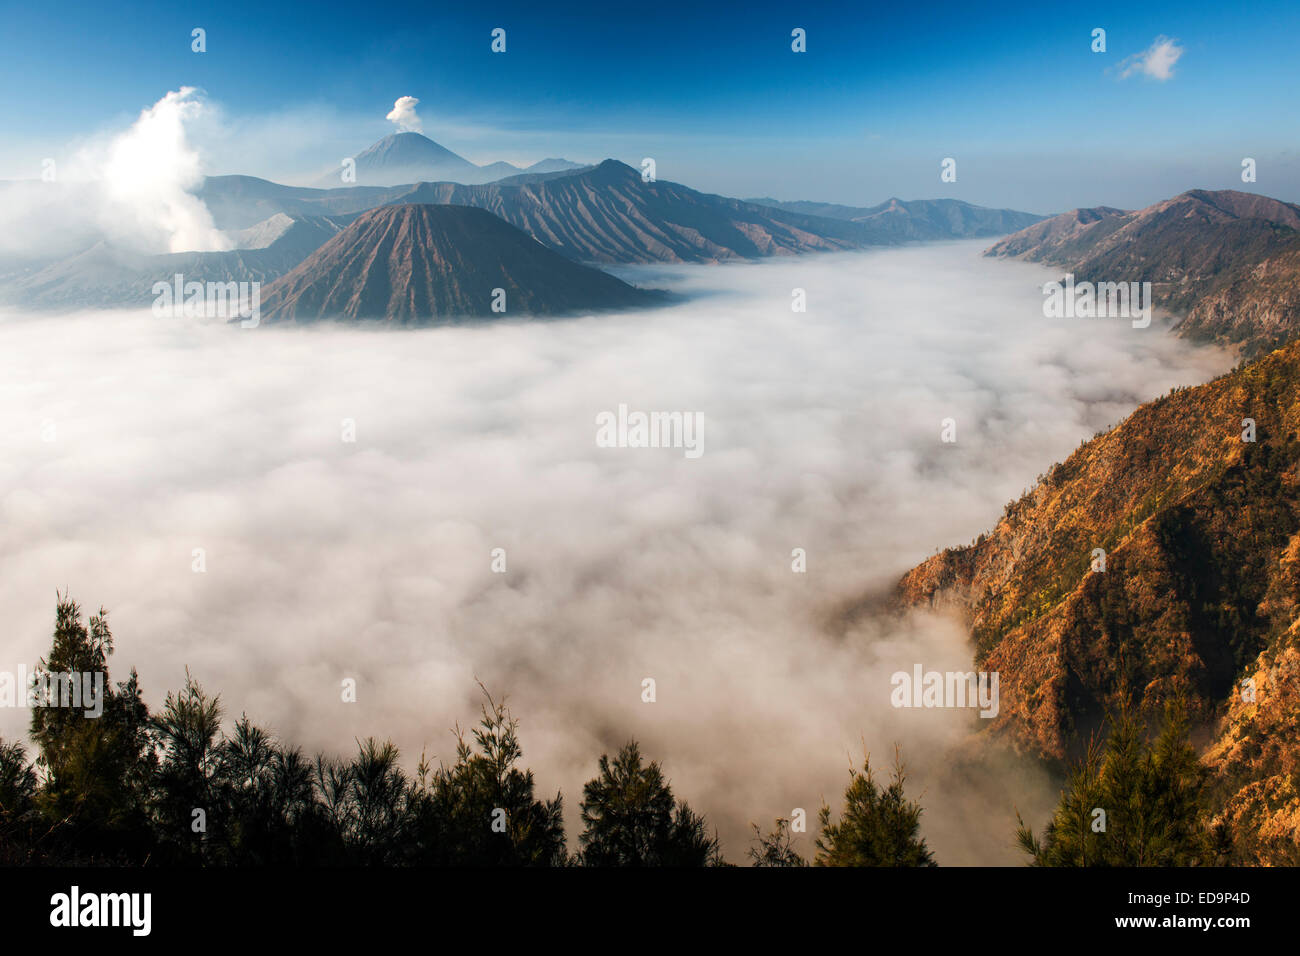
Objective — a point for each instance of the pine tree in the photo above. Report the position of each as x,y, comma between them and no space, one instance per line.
187,791
19,819
482,810
879,827
631,818
377,818
94,758
265,801
1131,802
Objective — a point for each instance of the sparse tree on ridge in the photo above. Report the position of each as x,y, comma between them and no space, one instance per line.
775,848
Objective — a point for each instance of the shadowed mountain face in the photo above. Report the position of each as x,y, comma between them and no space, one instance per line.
918,219
1256,306
1200,588
416,264
1225,261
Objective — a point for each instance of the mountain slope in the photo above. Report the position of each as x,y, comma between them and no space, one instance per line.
600,213
1201,586
1256,305
1192,520
609,214
1192,248
414,264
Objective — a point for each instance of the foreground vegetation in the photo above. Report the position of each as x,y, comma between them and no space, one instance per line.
133,788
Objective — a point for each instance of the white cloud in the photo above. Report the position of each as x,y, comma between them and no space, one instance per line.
372,559
148,175
1157,61
131,187
404,116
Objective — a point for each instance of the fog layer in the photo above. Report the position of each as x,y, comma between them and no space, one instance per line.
129,441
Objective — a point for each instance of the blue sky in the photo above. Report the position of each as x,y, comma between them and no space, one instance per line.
1034,118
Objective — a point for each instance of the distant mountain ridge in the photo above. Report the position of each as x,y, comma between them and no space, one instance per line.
410,157
602,213
599,214
607,213
105,276
919,219
1224,262
413,264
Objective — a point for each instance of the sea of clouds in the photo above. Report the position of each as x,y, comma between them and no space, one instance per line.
127,441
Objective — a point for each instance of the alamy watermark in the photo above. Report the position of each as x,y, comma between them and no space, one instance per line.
934,689
624,429
1098,300
209,299
78,690
133,911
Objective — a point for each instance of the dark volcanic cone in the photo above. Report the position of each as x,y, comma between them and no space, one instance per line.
422,264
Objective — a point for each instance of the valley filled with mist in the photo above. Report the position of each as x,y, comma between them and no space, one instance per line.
348,487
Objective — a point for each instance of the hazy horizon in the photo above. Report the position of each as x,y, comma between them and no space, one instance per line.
1035,115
